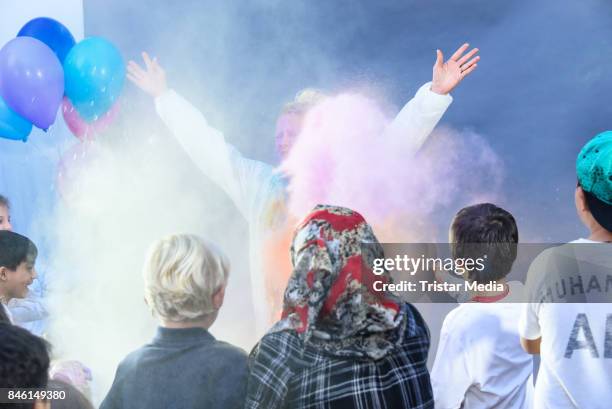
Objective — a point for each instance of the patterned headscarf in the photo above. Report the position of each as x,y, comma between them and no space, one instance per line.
329,300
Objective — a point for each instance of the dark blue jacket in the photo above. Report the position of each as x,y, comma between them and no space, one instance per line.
181,368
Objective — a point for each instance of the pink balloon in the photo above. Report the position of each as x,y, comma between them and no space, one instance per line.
87,130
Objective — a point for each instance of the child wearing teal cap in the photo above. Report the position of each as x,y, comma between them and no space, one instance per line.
572,329
594,191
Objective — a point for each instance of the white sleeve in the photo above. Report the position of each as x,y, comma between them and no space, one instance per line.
529,324
24,310
419,117
450,376
239,177
529,321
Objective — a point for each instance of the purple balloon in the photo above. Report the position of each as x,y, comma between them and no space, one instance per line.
31,80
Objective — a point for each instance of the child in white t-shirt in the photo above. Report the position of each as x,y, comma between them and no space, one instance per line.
480,363
569,318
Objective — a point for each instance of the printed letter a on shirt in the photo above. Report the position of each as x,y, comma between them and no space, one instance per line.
581,325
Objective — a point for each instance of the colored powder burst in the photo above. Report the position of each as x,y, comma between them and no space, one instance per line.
344,156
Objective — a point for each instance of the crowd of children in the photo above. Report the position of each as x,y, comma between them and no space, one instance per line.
340,344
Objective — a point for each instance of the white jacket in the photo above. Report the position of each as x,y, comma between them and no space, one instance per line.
254,186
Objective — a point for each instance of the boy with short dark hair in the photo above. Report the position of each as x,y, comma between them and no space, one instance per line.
485,229
30,312
479,363
17,259
24,363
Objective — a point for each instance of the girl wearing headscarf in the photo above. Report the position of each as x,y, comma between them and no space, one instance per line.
339,343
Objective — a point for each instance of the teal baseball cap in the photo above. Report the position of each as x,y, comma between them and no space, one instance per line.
594,170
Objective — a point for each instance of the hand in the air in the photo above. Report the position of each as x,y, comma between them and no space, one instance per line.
447,75
151,80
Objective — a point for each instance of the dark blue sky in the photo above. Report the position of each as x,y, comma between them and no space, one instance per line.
540,92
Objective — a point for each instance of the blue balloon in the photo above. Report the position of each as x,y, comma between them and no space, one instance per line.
51,32
94,74
12,126
31,80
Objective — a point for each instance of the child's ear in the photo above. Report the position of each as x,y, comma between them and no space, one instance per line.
218,297
3,274
582,206
581,202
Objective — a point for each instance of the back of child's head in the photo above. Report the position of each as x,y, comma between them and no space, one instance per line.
73,398
24,361
489,232
594,171
16,249
182,273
